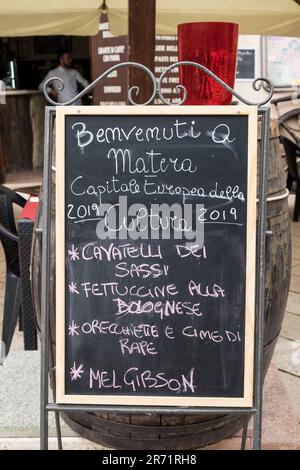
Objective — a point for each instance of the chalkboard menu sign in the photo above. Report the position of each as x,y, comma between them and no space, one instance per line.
155,255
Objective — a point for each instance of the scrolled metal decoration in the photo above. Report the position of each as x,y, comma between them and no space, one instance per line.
131,91
257,85
57,88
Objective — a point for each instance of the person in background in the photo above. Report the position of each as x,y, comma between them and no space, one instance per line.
70,77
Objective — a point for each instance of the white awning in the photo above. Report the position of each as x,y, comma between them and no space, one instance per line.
49,17
81,17
269,17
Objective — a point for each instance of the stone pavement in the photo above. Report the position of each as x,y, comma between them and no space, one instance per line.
19,407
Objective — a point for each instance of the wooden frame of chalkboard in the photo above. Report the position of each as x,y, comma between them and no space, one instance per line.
246,398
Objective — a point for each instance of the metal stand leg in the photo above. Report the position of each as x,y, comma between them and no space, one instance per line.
44,401
45,294
44,424
261,264
58,431
244,435
257,422
57,418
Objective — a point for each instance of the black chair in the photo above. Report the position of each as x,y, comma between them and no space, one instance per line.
10,243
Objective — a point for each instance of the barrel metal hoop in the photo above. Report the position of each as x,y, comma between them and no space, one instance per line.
285,195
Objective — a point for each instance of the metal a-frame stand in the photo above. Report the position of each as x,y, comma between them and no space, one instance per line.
47,351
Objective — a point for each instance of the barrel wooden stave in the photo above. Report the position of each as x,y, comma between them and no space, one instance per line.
147,437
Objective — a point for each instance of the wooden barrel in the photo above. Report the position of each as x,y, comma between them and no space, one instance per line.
159,431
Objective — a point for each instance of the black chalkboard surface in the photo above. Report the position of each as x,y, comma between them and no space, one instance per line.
245,64
156,255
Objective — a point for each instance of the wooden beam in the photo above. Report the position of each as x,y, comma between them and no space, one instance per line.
141,30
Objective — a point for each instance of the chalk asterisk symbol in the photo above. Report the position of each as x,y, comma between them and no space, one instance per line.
73,288
76,372
73,253
73,328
